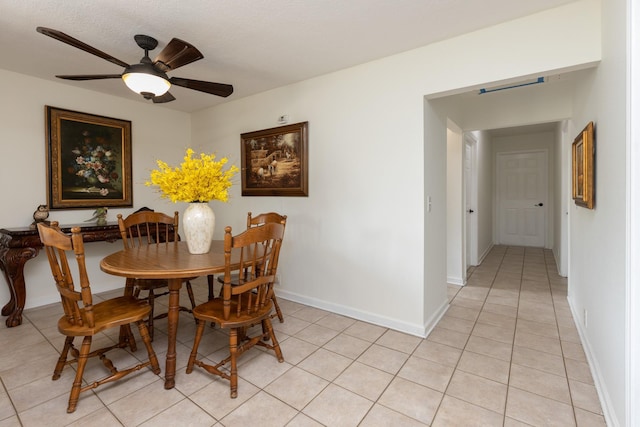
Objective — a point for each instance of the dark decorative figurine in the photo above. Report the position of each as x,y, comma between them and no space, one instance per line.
40,215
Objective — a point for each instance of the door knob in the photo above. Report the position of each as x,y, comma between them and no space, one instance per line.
470,211
539,204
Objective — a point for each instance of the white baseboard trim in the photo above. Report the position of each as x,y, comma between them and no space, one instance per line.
485,253
605,400
409,328
459,281
556,259
433,321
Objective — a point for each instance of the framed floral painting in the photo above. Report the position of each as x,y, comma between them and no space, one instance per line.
275,161
88,160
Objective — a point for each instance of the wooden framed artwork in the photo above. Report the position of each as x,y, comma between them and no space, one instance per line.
88,160
582,170
275,161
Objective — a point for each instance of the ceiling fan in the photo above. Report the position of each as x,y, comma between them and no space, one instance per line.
148,78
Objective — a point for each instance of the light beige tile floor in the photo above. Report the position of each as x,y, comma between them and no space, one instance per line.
506,353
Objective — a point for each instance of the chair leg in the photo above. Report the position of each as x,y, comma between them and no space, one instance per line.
191,297
277,307
146,339
210,283
233,356
196,344
77,382
151,299
126,338
266,324
62,360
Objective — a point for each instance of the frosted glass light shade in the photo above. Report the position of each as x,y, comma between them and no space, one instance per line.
143,82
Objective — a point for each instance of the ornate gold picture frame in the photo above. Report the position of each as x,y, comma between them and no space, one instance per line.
88,160
583,156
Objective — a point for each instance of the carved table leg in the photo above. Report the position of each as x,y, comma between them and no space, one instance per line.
8,308
12,263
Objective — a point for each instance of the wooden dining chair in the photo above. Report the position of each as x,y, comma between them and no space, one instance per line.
242,306
83,318
257,221
152,228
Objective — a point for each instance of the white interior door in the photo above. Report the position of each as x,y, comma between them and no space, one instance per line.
522,198
471,190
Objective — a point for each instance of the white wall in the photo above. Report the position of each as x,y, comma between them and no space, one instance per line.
456,271
485,194
562,195
355,244
633,214
435,220
156,133
361,243
598,237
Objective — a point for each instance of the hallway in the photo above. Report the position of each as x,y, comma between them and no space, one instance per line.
506,353
521,353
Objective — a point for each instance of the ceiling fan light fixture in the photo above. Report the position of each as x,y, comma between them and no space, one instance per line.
145,81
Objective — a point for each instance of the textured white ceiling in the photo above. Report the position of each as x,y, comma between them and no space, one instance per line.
255,45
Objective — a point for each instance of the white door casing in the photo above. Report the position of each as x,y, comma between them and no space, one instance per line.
522,198
471,205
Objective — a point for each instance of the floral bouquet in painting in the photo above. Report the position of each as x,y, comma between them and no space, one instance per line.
95,164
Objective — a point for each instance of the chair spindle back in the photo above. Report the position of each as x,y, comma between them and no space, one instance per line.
56,245
265,218
259,252
148,227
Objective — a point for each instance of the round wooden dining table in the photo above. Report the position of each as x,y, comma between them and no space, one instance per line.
171,261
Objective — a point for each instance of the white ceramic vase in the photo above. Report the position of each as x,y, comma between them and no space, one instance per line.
198,224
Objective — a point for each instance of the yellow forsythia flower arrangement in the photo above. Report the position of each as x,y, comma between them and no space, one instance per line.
196,180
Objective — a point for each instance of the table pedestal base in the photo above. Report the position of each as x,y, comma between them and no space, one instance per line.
172,318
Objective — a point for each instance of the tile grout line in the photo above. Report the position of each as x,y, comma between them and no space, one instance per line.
564,359
444,393
513,343
13,405
559,340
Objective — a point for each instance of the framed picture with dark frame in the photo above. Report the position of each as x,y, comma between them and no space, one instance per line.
582,170
88,160
275,161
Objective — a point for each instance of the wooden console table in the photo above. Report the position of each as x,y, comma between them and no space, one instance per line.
19,245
